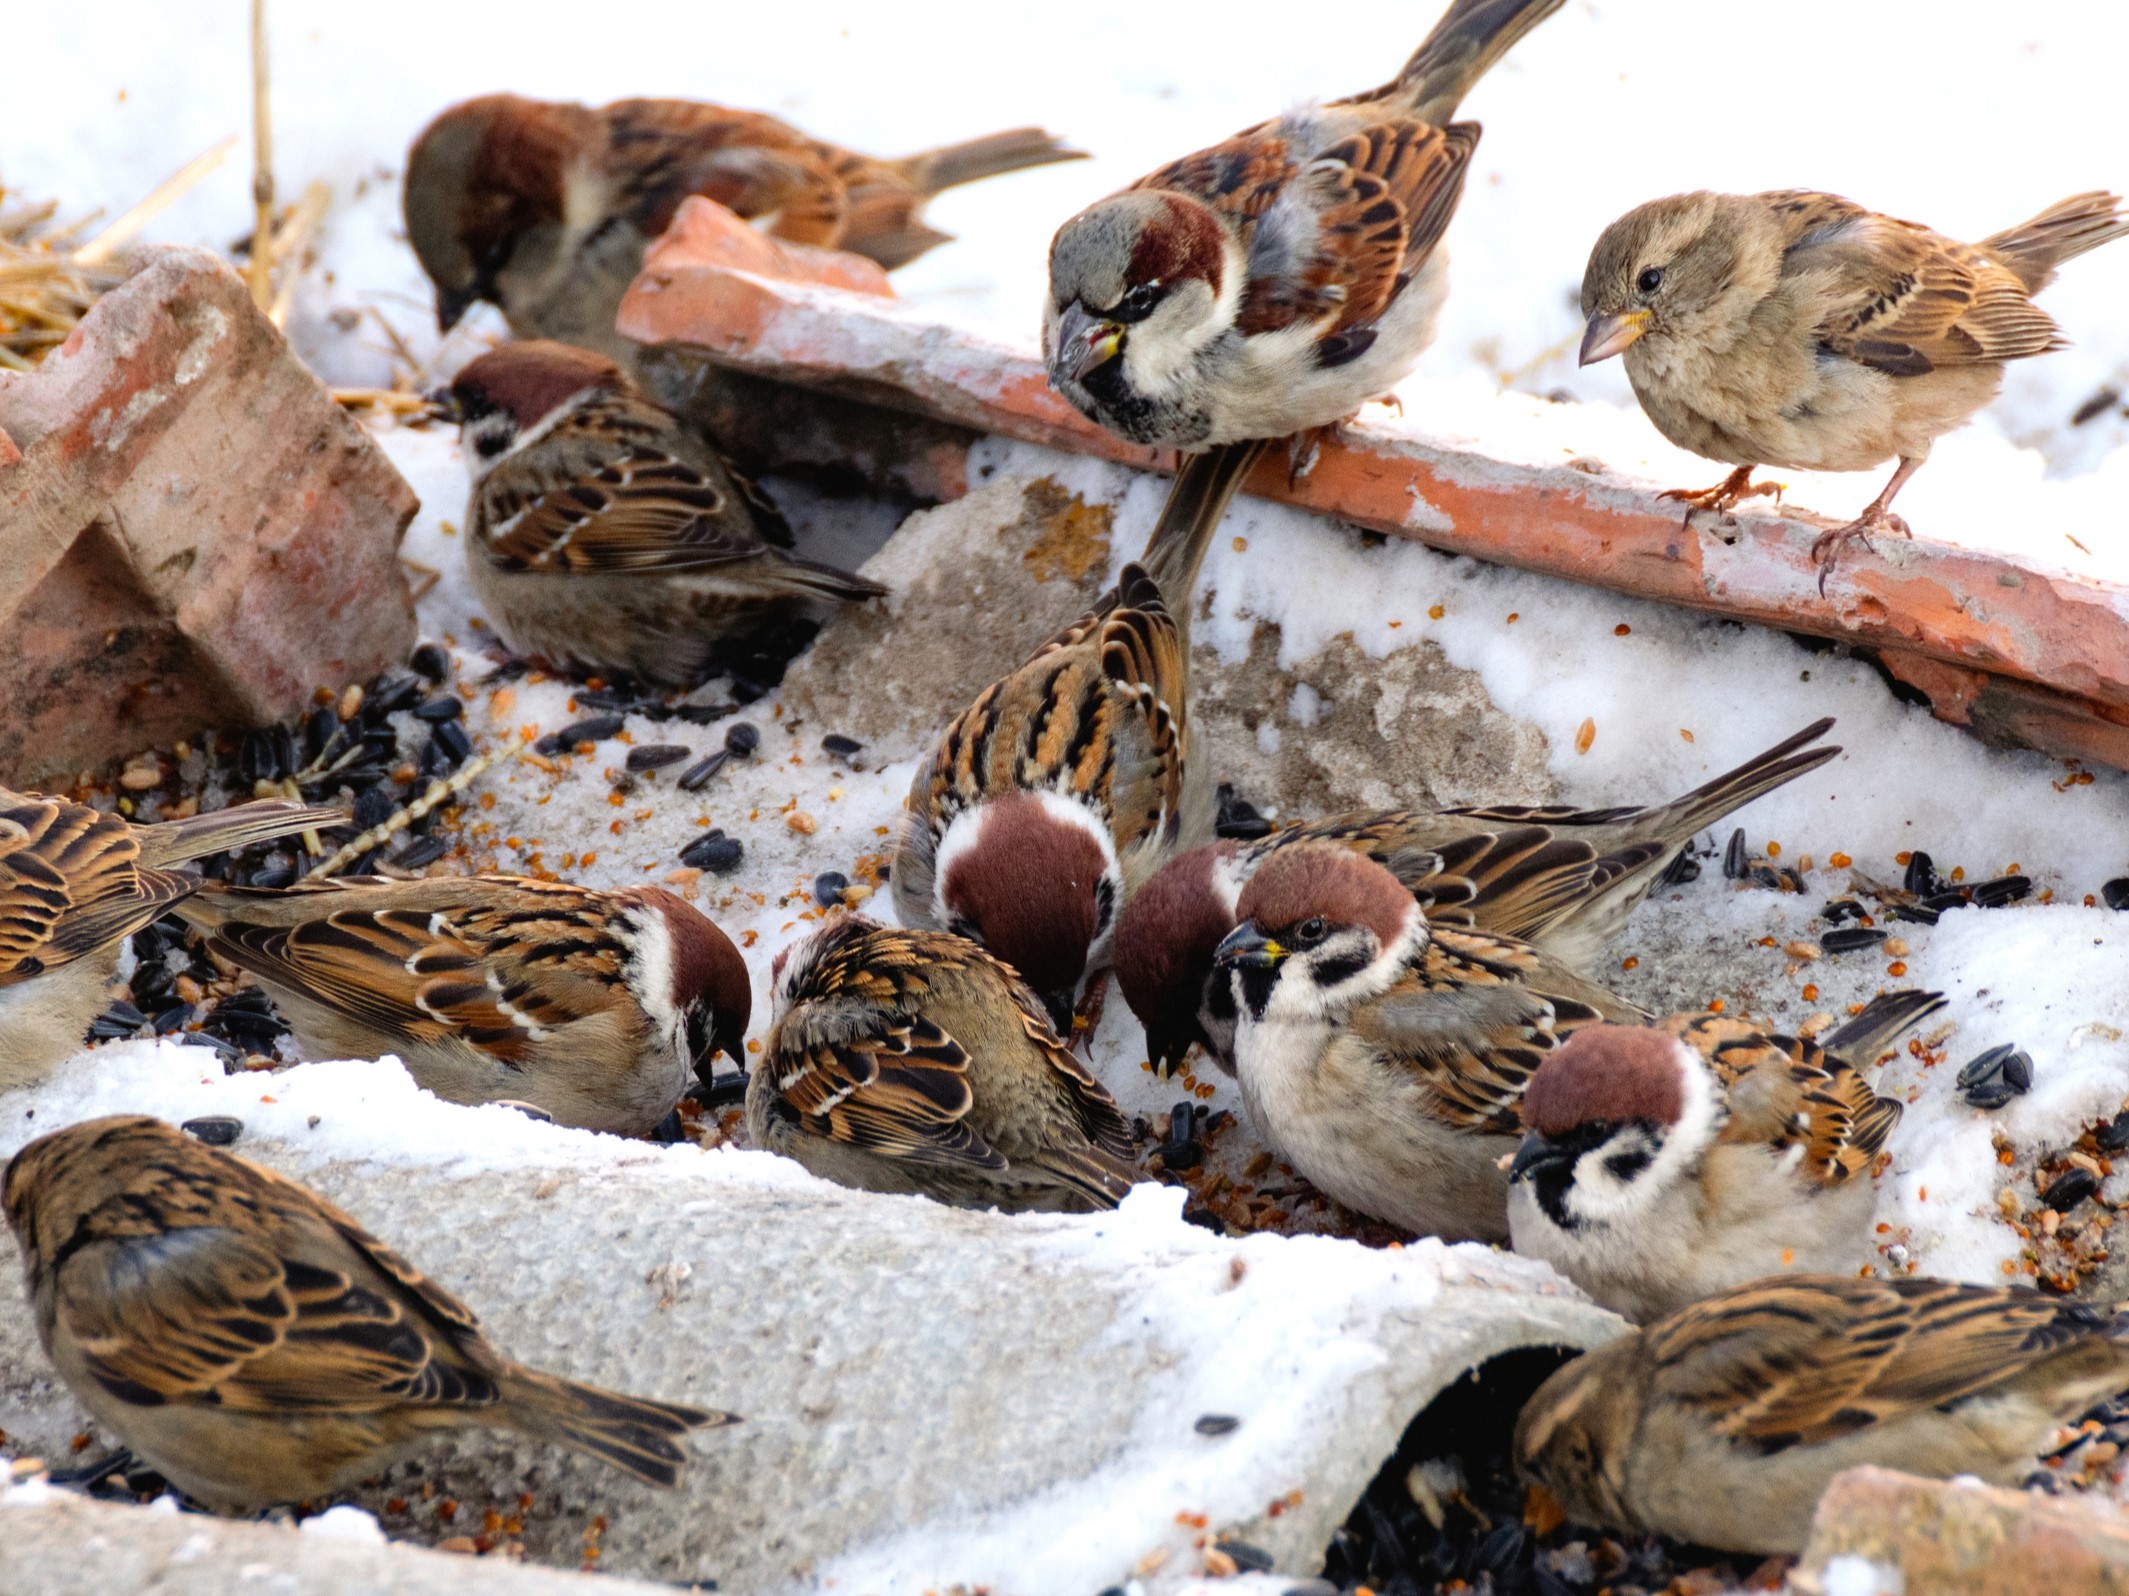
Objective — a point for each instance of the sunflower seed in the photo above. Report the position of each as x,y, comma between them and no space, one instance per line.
697,776
840,747
2069,1189
829,887
1217,1424
1995,893
714,852
440,709
2115,894
656,756
216,1130
1921,877
1990,1080
431,661
1848,939
1733,856
741,739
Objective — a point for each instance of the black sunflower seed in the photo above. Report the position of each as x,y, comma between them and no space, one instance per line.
1239,818
424,852
722,1092
175,1018
435,762
1921,877
840,747
373,808
741,739
1217,1424
255,757
392,692
2111,1137
452,739
1733,856
1764,876
2070,1188
1181,1149
1950,898
1841,910
669,1129
1249,1559
440,709
230,1055
216,1130
594,730
431,661
603,698
697,776
714,852
273,876
1850,938
656,756
1685,867
121,1019
319,729
1904,911
2115,894
829,887
1990,1080
704,714
2000,890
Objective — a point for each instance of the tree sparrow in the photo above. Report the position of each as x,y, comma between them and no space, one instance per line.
1723,1423
1562,879
1798,329
913,1061
544,208
1276,282
1066,784
593,1006
254,1343
604,536
74,884
1383,1057
1662,1164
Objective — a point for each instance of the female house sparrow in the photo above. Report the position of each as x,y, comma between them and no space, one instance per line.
1563,879
1723,1423
1798,329
1383,1057
544,208
1064,786
603,536
1276,282
1661,1165
254,1343
74,884
913,1061
594,1006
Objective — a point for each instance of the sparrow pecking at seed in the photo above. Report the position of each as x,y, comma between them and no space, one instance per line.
1723,1423
596,1007
1274,283
544,208
1562,879
913,1061
1663,1164
605,537
74,884
1800,330
254,1343
1384,1057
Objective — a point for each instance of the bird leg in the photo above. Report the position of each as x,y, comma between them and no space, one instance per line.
93,1474
1727,494
1876,517
1304,449
1086,1019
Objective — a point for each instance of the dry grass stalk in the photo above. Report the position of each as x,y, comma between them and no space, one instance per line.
289,243
262,166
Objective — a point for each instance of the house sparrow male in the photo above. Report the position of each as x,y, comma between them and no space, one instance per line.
1662,1164
592,1006
1384,1057
544,208
1064,786
1723,1423
1275,283
604,536
913,1061
254,1343
1798,329
1562,879
74,884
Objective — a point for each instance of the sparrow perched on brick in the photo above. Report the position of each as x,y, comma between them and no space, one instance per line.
1661,1164
254,1343
74,884
604,536
597,1007
1800,330
1276,282
1724,1422
543,208
1384,1057
1067,783
1562,879
913,1061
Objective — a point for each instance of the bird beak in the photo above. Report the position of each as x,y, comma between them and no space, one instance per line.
1167,1047
1085,343
452,305
729,1037
1246,945
1535,1154
443,406
1610,333
1061,1009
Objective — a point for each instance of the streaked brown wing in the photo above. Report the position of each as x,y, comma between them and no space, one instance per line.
1786,1092
646,511
903,1093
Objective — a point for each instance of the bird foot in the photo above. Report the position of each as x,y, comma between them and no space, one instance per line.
1727,494
1826,548
1303,450
1086,1019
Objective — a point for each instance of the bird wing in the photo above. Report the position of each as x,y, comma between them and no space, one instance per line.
1790,1362
644,511
1902,298
751,163
70,883
1786,1092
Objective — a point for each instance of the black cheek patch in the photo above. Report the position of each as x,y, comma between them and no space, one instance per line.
1625,1166
1333,972
1257,982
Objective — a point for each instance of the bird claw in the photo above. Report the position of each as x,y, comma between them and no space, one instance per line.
1086,1019
1727,494
1826,547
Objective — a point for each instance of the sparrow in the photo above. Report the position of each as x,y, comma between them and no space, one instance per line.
1798,329
1723,1423
592,1006
254,1343
75,882
1382,1056
1562,879
1067,783
913,1061
604,536
544,208
1662,1164
1274,283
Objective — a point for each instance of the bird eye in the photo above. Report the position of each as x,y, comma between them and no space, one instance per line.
1140,302
1310,930
1650,280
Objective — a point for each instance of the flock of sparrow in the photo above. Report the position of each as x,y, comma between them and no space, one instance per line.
1400,994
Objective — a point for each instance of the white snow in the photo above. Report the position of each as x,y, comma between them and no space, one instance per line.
344,1523
1850,1575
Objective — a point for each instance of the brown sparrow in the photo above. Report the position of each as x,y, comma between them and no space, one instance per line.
1798,329
1066,784
913,1061
594,1006
74,884
1662,1164
1384,1057
604,536
257,1345
1562,879
1276,282
1723,1423
544,208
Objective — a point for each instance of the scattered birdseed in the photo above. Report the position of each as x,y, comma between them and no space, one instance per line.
713,851
656,756
697,776
2069,1189
1850,939
423,851
1238,818
1990,1080
1921,877
595,730
1217,1424
216,1130
829,887
1842,909
440,709
2111,1137
1733,856
431,661
451,740
741,739
801,822
1994,894
2115,894
1247,1559
841,747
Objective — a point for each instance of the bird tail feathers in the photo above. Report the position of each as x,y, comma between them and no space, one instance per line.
638,1436
2064,231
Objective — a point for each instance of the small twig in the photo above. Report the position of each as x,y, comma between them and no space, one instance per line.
289,244
262,165
165,194
439,793
392,399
